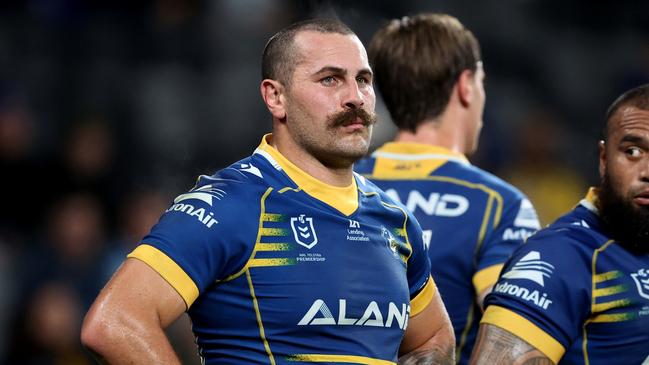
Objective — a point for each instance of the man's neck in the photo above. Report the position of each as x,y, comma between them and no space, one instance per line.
436,133
308,163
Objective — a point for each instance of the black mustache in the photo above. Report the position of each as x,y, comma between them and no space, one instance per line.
349,116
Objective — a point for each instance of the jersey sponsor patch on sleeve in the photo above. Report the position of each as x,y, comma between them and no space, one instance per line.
529,268
526,217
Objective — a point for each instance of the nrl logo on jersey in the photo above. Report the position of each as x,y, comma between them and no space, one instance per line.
303,231
641,279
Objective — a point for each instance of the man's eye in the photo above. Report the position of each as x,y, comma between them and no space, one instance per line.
362,80
329,80
633,152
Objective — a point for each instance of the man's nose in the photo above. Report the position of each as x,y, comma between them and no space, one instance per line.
353,98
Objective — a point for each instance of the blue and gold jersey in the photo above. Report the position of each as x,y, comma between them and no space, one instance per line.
471,220
277,267
575,294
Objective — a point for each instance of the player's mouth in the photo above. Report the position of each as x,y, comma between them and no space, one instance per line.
355,125
642,198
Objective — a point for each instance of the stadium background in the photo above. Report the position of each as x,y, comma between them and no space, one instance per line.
109,109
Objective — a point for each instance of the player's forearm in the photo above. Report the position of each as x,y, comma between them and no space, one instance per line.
438,350
497,346
127,342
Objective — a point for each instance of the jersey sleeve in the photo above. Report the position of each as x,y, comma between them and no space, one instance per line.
421,284
517,222
543,294
207,235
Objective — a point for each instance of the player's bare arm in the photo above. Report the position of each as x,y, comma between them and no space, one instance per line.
125,324
429,338
498,346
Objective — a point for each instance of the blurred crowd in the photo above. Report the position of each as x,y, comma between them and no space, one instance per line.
107,111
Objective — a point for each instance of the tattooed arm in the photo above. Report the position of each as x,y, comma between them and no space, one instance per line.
429,338
498,346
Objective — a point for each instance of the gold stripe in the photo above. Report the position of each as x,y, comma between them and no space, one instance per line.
526,330
272,217
607,276
262,204
615,317
273,231
486,278
593,267
601,307
400,232
274,247
272,262
338,358
483,226
262,333
610,290
423,298
169,270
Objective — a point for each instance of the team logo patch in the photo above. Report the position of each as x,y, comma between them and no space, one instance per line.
641,279
303,231
530,267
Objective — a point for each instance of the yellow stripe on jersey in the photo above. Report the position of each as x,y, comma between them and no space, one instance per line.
615,317
169,270
272,217
349,359
526,330
423,298
616,289
601,307
274,232
260,323
274,247
607,276
272,262
486,278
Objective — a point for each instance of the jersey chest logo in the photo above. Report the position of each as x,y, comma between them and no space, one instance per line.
303,231
641,279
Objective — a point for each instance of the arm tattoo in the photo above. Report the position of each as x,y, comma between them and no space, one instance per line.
428,357
498,346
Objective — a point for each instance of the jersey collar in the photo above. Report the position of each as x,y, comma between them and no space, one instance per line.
343,199
590,201
418,151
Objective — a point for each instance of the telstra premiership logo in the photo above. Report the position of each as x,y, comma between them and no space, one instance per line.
303,231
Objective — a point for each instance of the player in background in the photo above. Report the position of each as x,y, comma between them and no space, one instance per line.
578,291
429,72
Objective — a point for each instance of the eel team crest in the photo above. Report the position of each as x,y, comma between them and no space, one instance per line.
303,231
641,278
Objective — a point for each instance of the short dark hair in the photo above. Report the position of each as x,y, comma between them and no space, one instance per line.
417,60
280,56
637,97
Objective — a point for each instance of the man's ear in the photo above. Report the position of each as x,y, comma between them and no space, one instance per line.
466,87
272,92
602,157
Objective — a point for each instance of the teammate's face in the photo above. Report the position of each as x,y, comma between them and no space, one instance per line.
624,168
330,102
477,109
